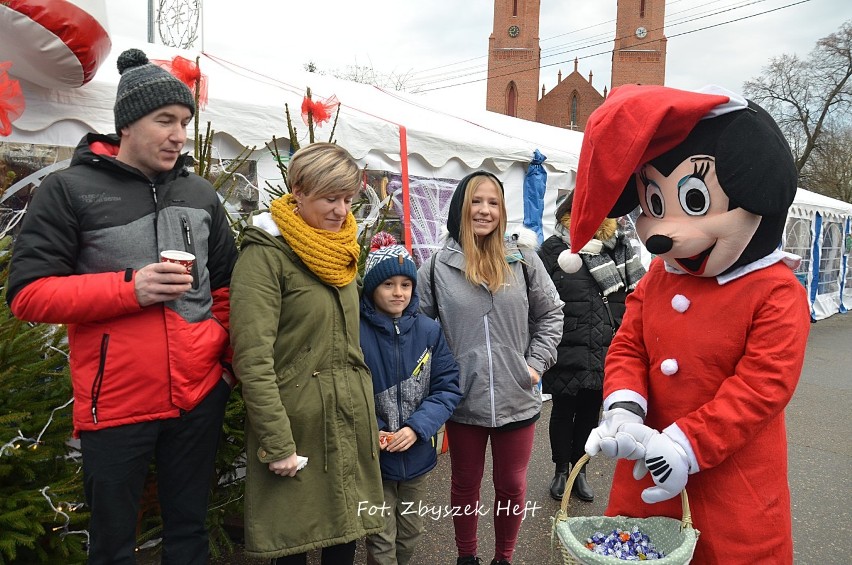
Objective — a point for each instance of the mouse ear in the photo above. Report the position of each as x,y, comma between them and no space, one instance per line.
754,164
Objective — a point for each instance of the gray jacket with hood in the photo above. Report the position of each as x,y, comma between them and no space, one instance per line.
495,336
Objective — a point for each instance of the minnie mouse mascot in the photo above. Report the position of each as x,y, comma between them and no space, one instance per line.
713,340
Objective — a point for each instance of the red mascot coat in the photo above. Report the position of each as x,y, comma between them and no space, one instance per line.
739,349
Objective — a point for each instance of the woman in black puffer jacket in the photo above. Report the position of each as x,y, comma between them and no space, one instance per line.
594,307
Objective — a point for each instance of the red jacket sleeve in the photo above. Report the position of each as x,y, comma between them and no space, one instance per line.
76,299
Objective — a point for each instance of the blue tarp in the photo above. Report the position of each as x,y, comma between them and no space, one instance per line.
535,183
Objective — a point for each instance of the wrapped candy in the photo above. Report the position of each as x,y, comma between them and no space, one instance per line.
626,545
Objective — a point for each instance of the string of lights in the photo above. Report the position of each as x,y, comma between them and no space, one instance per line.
59,509
33,442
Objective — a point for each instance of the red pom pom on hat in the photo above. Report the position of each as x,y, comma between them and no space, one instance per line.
635,124
381,239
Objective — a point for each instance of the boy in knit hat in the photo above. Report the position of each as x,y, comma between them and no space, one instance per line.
148,340
416,387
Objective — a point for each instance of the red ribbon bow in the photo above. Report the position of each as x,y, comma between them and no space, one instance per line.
319,110
12,101
188,73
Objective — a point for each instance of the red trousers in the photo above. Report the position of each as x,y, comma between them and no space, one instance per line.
510,454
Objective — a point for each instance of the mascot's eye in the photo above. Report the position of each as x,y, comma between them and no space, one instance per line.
654,199
694,197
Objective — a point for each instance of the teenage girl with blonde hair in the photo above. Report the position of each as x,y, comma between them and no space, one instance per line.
502,318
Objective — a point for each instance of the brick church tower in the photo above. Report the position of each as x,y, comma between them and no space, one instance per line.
639,56
514,56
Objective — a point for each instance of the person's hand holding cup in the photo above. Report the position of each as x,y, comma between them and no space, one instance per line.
163,282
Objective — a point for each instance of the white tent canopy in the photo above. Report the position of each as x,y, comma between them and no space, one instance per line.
413,137
248,106
818,229
417,139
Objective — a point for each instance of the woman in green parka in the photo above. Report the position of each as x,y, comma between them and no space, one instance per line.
307,391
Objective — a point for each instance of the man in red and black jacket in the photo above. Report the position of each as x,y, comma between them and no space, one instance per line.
148,342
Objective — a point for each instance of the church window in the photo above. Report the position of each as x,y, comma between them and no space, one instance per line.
642,9
515,8
512,100
574,104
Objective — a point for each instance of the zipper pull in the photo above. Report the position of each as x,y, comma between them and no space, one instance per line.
187,230
396,327
154,193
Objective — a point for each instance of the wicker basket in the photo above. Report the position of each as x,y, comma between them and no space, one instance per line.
675,538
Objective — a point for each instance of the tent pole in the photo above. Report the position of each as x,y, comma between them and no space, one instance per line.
406,204
150,21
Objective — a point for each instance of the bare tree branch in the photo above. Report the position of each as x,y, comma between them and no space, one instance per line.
808,96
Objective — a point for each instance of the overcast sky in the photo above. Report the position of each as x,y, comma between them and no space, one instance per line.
723,42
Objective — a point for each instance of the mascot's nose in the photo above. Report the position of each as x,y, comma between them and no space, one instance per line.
659,244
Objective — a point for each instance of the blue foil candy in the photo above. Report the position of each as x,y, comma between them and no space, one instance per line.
632,545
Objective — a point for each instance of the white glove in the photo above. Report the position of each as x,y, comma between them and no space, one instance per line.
664,457
603,438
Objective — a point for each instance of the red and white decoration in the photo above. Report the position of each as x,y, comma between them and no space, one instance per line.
12,102
54,43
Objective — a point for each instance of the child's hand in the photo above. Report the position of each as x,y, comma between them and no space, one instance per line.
384,439
401,440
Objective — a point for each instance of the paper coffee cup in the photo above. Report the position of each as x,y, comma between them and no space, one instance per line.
179,257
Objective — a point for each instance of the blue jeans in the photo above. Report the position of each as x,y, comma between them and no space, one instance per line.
116,462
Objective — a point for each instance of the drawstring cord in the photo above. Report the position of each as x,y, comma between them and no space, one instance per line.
324,424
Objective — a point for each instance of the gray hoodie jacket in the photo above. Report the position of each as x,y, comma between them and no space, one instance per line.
495,336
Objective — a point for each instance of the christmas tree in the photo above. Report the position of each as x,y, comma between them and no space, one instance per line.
42,519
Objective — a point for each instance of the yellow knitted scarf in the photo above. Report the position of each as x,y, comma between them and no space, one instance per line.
332,256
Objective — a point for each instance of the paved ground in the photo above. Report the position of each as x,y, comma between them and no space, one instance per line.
820,470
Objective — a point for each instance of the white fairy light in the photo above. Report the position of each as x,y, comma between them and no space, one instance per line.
11,444
71,507
34,442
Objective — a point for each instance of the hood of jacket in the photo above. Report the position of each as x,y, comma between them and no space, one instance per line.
263,231
97,149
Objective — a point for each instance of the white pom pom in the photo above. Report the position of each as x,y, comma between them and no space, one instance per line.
680,303
669,367
569,262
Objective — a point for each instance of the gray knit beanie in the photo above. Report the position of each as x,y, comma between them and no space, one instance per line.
386,259
145,87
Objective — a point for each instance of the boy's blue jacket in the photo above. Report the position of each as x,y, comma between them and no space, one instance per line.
415,382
